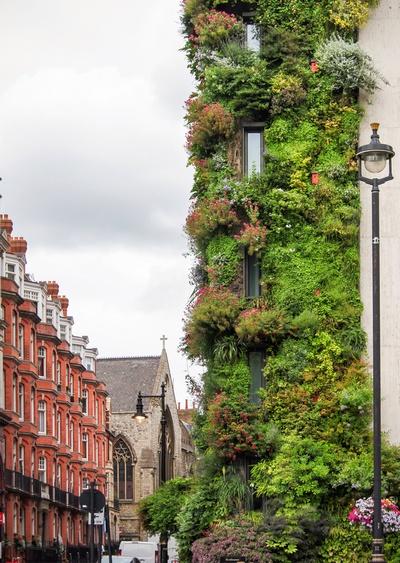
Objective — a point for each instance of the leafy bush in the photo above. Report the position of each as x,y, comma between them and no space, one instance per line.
257,326
238,539
213,27
300,473
223,259
234,428
208,216
158,511
212,315
208,124
348,65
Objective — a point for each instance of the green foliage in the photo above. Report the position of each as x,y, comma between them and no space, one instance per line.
234,428
310,437
346,543
212,315
208,217
236,538
258,326
348,65
300,473
158,512
196,515
223,259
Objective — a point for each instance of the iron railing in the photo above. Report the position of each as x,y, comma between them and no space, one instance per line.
17,481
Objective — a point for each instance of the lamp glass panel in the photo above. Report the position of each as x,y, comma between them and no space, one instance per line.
375,162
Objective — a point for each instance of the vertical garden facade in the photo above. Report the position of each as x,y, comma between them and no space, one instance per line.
284,429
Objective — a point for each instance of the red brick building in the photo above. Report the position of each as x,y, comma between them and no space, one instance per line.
56,439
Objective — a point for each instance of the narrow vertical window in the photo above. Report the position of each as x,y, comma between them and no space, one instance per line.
84,445
53,366
252,275
84,401
253,150
21,401
32,404
256,363
15,394
58,430
68,379
42,361
252,37
14,329
33,463
54,420
21,340
42,469
58,373
71,434
32,347
21,460
42,417
67,430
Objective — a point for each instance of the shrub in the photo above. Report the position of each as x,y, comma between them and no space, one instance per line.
234,428
239,539
300,473
257,326
213,27
223,259
252,236
287,91
348,65
209,124
349,15
212,315
208,216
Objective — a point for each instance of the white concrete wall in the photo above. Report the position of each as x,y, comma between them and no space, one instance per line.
381,39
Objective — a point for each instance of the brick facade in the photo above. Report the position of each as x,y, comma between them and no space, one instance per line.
56,439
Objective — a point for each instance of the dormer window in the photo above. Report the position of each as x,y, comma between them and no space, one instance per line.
253,145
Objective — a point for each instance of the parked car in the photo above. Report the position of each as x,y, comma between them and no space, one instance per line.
117,559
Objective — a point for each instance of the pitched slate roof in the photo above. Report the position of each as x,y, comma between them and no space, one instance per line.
125,377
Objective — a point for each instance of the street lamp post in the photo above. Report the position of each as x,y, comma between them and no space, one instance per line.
140,415
374,158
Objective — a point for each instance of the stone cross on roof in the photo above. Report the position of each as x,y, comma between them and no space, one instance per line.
163,338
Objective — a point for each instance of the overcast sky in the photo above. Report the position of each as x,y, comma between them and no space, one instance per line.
93,163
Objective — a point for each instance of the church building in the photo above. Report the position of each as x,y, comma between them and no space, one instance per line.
136,444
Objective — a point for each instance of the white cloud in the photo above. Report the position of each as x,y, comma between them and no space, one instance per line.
93,166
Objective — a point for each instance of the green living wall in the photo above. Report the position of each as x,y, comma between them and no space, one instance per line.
284,425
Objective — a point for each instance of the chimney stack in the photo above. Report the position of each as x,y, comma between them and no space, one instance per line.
6,224
64,302
52,289
18,245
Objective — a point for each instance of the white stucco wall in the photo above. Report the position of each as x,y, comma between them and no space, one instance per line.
381,39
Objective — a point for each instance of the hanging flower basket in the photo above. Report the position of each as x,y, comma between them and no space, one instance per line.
363,514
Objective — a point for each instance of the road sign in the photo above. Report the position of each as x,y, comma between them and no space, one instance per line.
98,518
99,500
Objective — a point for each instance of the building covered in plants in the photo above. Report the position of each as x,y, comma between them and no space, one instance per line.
284,430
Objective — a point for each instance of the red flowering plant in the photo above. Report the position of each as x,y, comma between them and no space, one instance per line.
363,513
260,325
234,427
253,234
213,27
212,314
208,216
209,125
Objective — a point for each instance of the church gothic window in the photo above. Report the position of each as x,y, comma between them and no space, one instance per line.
123,471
